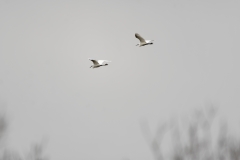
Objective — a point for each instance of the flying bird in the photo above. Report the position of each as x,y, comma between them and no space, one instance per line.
143,42
98,63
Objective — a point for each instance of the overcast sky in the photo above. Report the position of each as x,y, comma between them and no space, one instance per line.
49,90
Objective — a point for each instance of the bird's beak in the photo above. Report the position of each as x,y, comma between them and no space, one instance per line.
91,67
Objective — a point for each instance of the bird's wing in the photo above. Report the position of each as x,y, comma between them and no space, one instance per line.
103,61
95,62
139,37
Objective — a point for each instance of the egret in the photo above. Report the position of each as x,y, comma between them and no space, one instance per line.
98,63
143,42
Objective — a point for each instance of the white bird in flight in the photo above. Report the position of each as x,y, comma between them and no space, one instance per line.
98,63
143,42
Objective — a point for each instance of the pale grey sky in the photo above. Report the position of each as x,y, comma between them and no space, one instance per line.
50,91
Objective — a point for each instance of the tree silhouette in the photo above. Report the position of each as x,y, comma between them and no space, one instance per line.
36,152
196,141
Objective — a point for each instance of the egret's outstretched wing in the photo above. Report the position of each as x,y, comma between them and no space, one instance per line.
95,62
139,37
103,61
